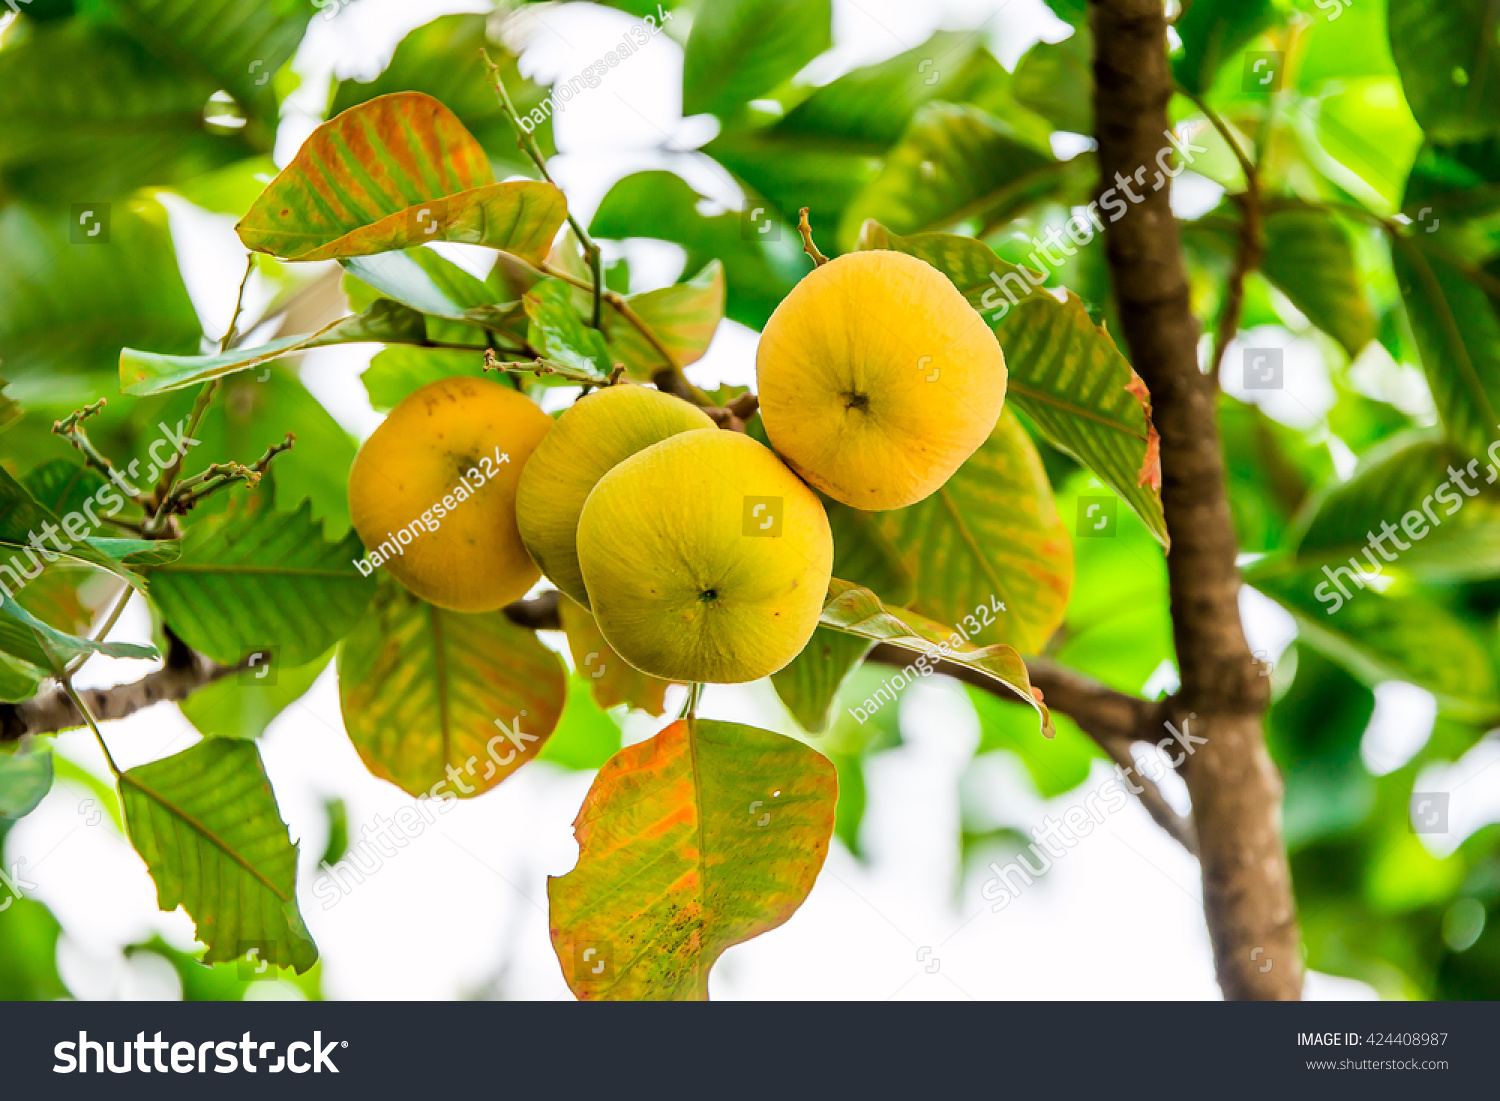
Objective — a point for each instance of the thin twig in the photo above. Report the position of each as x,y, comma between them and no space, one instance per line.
540,366
71,429
527,144
163,494
103,633
65,681
1249,249
675,381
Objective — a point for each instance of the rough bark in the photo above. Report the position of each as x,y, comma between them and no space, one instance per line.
1236,792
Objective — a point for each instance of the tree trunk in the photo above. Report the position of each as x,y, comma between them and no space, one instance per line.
1235,789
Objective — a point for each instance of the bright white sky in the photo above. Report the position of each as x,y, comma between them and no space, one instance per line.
461,911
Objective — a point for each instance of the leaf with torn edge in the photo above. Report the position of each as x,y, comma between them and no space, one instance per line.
207,826
689,843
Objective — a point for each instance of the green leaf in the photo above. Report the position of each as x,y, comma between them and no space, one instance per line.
395,172
1449,58
706,835
1056,80
760,268
832,144
809,685
556,331
397,371
858,611
870,108
863,553
424,690
425,281
1064,372
243,705
1396,635
206,824
989,548
1057,765
10,412
586,737
1314,733
613,680
19,680
955,165
442,59
62,486
22,633
253,579
236,44
66,309
1212,31
684,318
1460,535
1458,334
23,518
123,121
387,322
741,50
1270,470
1310,259
1075,12
28,953
25,779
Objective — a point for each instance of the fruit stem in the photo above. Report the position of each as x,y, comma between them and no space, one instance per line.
690,708
805,228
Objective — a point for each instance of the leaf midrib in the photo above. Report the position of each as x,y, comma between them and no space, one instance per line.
204,831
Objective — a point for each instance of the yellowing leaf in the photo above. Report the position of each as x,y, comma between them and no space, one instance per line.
397,171
989,546
424,690
612,679
702,837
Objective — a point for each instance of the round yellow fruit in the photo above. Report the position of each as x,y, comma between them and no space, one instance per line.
877,379
596,434
433,493
706,558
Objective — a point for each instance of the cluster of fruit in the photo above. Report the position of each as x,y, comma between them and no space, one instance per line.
704,555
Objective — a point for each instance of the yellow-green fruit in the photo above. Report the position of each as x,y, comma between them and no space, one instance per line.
433,493
877,379
707,559
595,434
